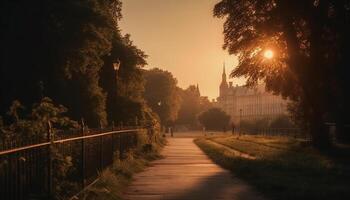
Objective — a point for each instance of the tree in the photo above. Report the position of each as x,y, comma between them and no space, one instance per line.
124,88
65,50
61,45
205,104
309,40
161,94
192,103
214,119
189,107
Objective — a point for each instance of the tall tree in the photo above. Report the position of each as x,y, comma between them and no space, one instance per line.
161,94
61,44
306,38
192,103
124,86
66,50
189,107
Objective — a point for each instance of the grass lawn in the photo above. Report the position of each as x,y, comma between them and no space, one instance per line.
283,168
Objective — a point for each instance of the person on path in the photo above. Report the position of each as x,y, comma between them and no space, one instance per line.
233,128
171,131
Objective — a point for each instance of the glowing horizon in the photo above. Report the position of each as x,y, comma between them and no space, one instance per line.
182,37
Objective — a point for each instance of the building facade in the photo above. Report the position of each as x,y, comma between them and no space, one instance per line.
243,103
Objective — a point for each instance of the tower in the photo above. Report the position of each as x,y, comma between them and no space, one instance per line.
223,85
198,92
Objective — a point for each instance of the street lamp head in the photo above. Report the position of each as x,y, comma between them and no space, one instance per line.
159,103
116,65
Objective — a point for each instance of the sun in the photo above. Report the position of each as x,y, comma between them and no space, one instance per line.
268,54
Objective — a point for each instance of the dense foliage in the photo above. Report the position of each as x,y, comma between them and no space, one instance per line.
309,39
192,104
161,94
279,124
214,119
35,124
189,107
65,50
44,121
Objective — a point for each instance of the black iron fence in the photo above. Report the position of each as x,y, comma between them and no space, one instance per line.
62,165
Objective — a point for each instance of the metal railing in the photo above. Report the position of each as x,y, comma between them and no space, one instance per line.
60,167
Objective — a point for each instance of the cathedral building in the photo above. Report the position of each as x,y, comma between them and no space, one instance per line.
243,103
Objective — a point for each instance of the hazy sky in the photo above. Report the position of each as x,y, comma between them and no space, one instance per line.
180,36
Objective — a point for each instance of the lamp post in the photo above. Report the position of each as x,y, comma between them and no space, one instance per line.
240,121
116,66
162,129
159,104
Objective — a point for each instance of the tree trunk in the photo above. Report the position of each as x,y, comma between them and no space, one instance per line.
342,128
307,71
319,133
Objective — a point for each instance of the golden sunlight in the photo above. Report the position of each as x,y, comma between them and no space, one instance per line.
268,54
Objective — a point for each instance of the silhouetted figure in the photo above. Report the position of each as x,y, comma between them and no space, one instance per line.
171,131
233,128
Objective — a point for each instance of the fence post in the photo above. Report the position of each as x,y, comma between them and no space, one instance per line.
49,167
82,154
101,148
136,137
113,141
136,122
121,145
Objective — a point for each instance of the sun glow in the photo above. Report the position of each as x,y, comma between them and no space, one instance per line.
268,54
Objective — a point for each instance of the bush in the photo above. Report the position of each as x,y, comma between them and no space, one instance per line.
282,121
214,119
34,128
254,126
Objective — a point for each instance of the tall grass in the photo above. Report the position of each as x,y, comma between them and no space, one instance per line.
115,179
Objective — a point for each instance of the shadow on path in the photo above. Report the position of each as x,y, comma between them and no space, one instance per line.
218,186
186,173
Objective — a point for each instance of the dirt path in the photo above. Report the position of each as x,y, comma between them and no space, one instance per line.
186,173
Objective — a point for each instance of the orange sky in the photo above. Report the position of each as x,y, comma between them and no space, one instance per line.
180,36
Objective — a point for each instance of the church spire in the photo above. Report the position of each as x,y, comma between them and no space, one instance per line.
223,85
198,92
224,69
223,73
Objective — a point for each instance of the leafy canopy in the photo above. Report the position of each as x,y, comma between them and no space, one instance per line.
161,94
214,119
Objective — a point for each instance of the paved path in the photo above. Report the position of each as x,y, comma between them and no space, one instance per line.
186,173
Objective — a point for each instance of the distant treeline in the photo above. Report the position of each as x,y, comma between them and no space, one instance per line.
175,106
